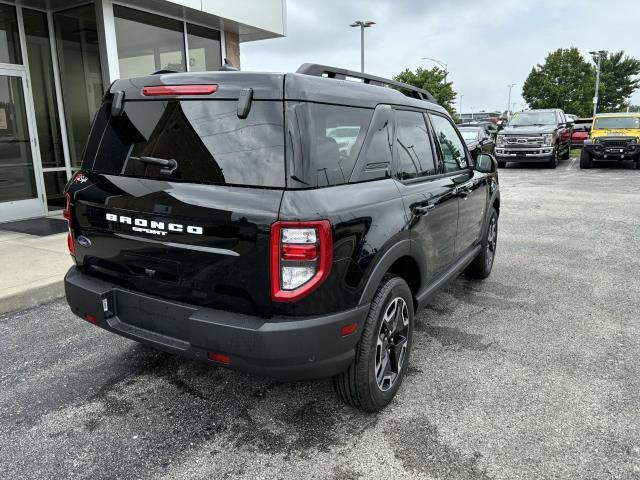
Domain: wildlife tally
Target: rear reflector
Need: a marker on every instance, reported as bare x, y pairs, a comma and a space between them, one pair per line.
166, 90
91, 319
299, 252
219, 358
348, 329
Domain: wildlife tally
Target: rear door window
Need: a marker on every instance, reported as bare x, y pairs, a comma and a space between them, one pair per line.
206, 138
413, 147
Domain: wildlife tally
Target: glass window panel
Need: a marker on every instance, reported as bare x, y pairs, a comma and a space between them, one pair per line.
54, 183
204, 48
451, 147
43, 88
415, 157
17, 180
80, 73
9, 38
330, 138
147, 42
207, 139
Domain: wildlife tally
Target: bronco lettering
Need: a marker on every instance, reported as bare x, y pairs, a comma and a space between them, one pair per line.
153, 227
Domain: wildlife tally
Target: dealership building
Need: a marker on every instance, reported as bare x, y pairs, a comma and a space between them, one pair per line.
57, 57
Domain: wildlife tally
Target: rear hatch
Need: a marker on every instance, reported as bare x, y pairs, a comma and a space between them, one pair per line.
179, 191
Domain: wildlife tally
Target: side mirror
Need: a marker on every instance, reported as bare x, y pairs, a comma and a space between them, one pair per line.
486, 163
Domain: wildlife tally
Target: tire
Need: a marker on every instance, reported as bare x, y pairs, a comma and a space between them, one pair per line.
553, 162
481, 266
502, 164
585, 159
637, 164
358, 385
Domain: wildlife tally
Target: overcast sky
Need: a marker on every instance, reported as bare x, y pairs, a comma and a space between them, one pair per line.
486, 45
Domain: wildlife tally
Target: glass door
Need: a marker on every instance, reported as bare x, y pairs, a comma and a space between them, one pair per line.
20, 190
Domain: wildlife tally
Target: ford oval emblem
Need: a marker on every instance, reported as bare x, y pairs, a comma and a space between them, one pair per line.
84, 241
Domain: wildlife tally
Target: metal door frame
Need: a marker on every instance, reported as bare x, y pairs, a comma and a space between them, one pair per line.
33, 207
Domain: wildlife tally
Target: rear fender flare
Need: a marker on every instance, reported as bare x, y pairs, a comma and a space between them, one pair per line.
397, 251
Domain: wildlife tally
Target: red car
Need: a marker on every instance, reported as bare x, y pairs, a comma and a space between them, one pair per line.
581, 130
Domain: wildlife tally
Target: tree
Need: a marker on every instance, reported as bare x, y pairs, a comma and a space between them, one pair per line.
616, 81
565, 80
433, 81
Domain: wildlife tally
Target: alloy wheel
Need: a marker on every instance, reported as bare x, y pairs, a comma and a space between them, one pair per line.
391, 348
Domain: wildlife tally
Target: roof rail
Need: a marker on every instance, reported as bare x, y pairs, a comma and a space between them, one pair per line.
317, 70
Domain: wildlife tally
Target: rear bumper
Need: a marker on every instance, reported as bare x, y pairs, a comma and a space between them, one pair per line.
286, 348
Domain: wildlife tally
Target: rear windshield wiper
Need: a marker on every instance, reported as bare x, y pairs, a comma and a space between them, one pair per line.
168, 166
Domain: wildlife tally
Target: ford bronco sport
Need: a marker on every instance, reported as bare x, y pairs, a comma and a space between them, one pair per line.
614, 136
286, 225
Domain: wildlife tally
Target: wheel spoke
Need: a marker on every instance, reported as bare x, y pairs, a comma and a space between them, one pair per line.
397, 354
382, 369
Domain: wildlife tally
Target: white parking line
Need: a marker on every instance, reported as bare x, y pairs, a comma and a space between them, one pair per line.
573, 161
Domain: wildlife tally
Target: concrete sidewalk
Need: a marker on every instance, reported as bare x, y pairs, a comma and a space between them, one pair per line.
31, 269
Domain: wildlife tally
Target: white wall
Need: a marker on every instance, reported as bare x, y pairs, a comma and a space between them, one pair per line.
267, 15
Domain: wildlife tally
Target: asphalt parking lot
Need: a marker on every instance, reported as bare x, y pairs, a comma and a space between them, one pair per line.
533, 373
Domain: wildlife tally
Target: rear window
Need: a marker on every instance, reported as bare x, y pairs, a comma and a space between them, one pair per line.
206, 138
324, 142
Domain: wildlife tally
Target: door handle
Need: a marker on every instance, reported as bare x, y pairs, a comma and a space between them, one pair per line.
463, 191
422, 210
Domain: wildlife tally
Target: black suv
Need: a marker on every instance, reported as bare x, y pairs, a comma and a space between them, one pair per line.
541, 136
286, 225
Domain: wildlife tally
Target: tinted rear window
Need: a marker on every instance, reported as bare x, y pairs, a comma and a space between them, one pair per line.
324, 142
206, 138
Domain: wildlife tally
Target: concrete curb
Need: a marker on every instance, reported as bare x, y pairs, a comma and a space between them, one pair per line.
36, 293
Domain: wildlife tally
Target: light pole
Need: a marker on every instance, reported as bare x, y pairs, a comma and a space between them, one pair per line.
362, 24
599, 53
510, 86
441, 63
461, 95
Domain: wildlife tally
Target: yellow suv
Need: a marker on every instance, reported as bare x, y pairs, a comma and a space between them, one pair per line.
614, 136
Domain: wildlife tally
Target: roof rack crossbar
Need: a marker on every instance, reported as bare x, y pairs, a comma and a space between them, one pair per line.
317, 70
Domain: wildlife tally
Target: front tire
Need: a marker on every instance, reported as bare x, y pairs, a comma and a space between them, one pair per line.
553, 163
586, 160
481, 266
382, 355
502, 164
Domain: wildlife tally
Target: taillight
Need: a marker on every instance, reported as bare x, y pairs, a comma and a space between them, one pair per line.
66, 213
301, 256
169, 90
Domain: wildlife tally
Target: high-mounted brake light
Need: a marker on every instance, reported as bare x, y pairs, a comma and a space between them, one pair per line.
169, 90
301, 256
